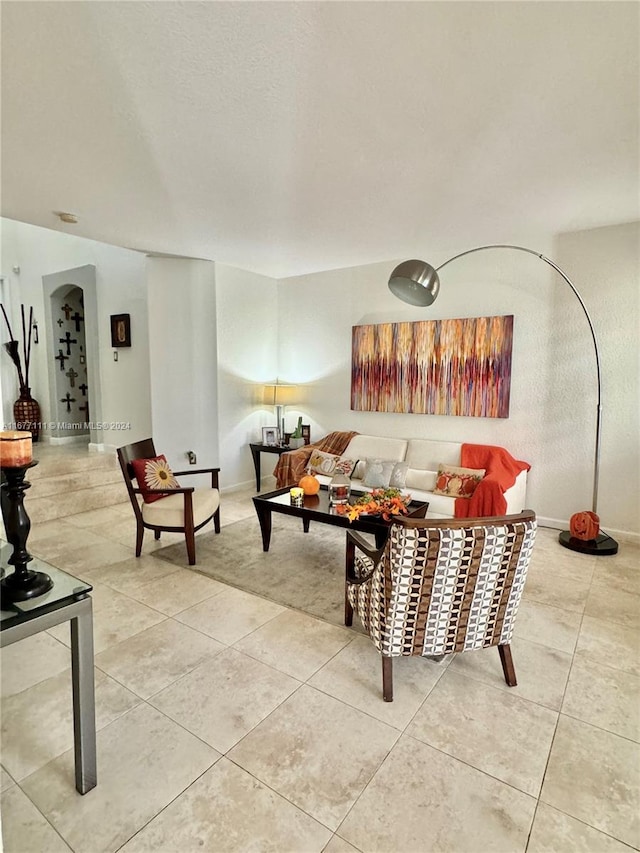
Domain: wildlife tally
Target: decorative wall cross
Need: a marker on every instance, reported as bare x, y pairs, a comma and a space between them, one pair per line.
85, 408
60, 322
72, 376
61, 358
83, 388
77, 319
68, 340
67, 310
68, 400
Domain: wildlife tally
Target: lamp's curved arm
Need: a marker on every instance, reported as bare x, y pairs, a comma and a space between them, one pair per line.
596, 472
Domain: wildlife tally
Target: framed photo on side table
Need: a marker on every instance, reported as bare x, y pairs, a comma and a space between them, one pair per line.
271, 436
306, 433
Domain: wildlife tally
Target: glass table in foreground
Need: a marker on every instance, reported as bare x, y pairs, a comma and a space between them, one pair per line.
67, 600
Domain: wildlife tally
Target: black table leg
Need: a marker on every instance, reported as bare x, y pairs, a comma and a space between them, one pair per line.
305, 524
264, 517
256, 464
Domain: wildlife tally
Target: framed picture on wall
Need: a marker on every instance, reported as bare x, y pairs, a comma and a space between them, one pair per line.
271, 436
120, 330
306, 433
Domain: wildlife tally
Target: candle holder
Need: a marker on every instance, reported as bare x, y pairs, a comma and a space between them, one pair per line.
23, 583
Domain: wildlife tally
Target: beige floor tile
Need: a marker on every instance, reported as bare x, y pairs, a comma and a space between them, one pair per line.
57, 531
424, 800
613, 605
568, 590
116, 617
541, 672
618, 576
227, 810
316, 752
609, 644
37, 724
224, 698
231, 615
128, 576
99, 518
549, 626
151, 660
144, 762
24, 829
355, 676
32, 660
178, 591
5, 780
594, 776
604, 697
83, 558
295, 643
339, 845
493, 731
553, 831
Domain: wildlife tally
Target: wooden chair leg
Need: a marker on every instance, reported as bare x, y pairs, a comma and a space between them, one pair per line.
156, 534
387, 678
139, 538
216, 520
507, 665
190, 538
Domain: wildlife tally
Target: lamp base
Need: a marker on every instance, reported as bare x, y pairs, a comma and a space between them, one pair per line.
26, 585
602, 546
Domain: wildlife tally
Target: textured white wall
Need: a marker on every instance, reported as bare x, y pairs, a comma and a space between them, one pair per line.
549, 427
182, 350
120, 282
247, 356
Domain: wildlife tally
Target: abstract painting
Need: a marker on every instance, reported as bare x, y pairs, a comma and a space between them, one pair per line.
434, 367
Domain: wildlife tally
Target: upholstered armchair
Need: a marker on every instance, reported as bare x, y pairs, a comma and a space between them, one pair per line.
180, 509
440, 586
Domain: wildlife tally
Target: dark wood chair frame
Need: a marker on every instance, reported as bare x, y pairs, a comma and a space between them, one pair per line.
357, 541
145, 450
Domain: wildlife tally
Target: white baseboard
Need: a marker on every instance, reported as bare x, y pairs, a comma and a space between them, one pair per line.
68, 439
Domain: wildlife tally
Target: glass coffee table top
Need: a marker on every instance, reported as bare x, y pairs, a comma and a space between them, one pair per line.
65, 588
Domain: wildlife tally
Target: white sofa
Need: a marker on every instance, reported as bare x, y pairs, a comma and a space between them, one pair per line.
424, 456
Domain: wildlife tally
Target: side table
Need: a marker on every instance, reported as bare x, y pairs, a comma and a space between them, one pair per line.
258, 448
68, 600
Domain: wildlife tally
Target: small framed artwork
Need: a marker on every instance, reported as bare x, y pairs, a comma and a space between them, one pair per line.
306, 433
120, 330
271, 436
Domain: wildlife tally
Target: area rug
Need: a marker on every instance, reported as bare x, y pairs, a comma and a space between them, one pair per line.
301, 570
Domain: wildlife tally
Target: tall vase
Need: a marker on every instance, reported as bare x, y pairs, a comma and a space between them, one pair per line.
26, 413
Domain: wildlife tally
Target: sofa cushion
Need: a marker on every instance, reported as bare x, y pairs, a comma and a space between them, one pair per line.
377, 473
376, 447
427, 455
398, 478
419, 479
329, 463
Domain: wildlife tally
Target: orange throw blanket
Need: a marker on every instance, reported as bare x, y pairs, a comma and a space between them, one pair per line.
502, 470
292, 465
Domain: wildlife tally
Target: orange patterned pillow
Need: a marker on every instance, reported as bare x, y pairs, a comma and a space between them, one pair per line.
457, 482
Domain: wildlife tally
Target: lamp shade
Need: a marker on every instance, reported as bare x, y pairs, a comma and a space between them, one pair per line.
278, 394
415, 282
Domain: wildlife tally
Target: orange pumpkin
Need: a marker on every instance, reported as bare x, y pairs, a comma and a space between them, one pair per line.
309, 484
584, 525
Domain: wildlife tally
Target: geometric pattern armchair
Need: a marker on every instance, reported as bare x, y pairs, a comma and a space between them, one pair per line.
184, 510
440, 586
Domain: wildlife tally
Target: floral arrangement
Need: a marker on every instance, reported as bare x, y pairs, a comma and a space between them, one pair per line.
384, 502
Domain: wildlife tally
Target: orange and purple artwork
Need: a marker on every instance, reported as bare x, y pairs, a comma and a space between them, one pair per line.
434, 367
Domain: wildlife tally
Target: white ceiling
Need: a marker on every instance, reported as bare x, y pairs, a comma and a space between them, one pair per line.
290, 137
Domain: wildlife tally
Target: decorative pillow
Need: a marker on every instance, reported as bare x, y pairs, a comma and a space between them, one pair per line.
345, 466
153, 474
377, 473
398, 477
457, 482
322, 463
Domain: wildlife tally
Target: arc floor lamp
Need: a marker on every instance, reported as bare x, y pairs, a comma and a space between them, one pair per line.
418, 283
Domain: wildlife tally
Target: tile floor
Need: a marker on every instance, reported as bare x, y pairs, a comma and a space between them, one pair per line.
229, 723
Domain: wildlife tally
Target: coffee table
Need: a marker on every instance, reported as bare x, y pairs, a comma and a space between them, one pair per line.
316, 508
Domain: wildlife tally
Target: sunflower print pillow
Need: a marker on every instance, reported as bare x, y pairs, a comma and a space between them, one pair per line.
153, 474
